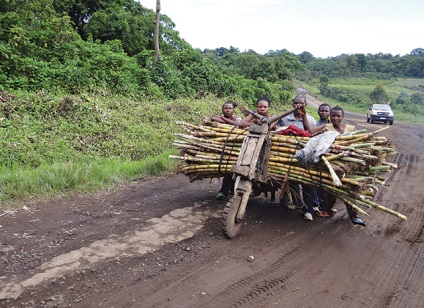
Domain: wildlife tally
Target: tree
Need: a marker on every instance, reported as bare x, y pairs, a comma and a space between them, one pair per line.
323, 80
379, 95
403, 98
286, 65
414, 66
306, 57
80, 11
361, 60
417, 99
156, 33
417, 52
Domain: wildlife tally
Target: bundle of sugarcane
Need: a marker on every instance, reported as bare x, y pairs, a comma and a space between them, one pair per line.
351, 169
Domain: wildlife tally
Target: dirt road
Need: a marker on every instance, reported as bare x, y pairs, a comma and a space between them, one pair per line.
158, 243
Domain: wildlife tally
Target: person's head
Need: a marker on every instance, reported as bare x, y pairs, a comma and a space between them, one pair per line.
336, 115
228, 109
262, 106
324, 111
299, 100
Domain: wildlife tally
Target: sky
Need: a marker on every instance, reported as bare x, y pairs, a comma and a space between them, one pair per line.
325, 28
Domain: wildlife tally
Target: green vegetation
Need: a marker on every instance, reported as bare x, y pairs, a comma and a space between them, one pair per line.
86, 176
84, 106
353, 94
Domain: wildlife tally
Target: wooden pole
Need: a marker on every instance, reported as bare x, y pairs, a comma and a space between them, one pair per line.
156, 32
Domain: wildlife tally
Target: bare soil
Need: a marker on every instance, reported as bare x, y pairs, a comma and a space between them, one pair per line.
159, 243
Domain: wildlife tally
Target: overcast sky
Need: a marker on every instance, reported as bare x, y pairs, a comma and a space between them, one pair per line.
325, 28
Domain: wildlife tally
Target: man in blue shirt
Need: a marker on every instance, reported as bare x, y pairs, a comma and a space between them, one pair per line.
324, 114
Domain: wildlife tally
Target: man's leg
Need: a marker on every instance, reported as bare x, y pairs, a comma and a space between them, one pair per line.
227, 182
354, 215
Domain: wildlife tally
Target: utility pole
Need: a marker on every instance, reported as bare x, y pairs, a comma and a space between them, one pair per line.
156, 33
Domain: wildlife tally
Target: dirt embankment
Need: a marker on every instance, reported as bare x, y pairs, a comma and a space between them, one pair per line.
158, 243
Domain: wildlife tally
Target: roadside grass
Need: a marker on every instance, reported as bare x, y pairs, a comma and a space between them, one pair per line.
18, 184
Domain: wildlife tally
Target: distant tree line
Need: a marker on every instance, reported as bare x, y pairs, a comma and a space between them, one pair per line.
75, 46
359, 65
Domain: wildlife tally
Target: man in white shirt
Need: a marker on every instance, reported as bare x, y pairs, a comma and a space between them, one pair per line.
302, 120
298, 118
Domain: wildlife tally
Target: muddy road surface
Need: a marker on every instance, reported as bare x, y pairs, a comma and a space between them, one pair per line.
159, 243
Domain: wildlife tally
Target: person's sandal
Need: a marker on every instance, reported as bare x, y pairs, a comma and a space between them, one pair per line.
291, 206
324, 214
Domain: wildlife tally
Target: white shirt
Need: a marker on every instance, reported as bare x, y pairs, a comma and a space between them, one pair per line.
291, 120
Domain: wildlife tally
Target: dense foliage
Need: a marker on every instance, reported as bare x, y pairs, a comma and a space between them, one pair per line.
381, 66
107, 47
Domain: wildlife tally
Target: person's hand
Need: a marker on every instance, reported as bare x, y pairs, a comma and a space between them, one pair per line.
281, 128
301, 108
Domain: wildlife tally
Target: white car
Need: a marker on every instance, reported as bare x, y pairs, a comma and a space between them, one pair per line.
380, 113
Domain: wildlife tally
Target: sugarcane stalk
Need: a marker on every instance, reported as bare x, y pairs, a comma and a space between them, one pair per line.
391, 165
280, 154
362, 145
337, 156
353, 160
381, 149
218, 157
379, 168
349, 201
359, 131
333, 174
283, 149
380, 130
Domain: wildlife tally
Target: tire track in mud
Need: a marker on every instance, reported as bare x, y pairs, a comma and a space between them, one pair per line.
178, 225
407, 292
408, 194
409, 201
411, 163
257, 291
405, 195
322, 283
253, 290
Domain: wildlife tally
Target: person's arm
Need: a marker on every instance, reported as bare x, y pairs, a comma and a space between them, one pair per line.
217, 118
274, 125
318, 128
306, 125
229, 121
305, 121
310, 125
247, 121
